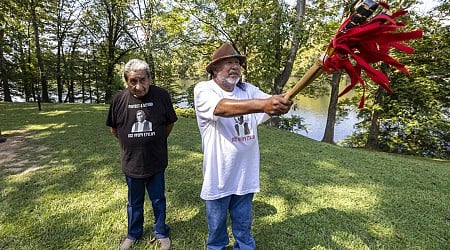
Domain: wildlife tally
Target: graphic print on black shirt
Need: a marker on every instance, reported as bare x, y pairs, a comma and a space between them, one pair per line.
142, 127
141, 124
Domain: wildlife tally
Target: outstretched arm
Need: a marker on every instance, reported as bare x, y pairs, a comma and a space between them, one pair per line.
274, 105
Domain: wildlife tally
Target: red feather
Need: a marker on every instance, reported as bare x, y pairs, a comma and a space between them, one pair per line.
367, 44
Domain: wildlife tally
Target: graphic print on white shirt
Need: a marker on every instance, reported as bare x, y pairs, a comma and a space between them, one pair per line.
241, 125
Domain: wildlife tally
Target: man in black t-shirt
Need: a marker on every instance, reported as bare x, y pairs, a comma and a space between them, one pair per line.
143, 150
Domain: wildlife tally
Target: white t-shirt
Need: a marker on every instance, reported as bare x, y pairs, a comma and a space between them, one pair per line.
230, 144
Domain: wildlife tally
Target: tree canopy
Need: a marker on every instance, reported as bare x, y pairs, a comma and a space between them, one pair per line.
74, 51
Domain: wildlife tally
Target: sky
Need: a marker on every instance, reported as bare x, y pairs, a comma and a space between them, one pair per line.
425, 6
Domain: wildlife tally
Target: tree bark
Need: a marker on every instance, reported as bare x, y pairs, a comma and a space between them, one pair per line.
328, 135
374, 130
43, 75
281, 80
4, 72
332, 107
114, 32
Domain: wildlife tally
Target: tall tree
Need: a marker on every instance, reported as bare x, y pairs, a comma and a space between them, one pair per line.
3, 70
374, 128
328, 135
281, 80
262, 30
36, 24
4, 19
153, 35
115, 18
65, 18
17, 48
107, 26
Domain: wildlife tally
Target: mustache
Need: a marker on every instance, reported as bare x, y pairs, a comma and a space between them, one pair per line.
135, 93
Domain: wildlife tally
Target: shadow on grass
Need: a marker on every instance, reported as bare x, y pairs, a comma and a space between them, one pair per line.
75, 197
341, 198
57, 205
313, 230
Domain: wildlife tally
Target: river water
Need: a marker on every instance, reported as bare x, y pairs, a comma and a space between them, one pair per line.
314, 114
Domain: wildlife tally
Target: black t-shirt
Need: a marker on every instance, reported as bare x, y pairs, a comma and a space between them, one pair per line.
142, 130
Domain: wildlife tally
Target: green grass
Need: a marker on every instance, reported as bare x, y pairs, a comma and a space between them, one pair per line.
64, 189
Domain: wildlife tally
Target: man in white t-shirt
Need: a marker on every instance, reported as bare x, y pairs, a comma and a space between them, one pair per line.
228, 114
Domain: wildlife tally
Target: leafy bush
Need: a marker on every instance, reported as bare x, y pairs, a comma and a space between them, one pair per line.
185, 112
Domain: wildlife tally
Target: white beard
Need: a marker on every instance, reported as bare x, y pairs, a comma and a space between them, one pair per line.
228, 82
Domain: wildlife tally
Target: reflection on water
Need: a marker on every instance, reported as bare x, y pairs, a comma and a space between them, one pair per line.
314, 112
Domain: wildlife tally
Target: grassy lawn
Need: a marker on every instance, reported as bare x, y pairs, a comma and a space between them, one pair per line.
61, 187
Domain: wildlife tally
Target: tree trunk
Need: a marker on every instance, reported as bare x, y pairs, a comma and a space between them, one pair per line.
43, 75
374, 130
372, 139
328, 135
24, 67
59, 83
4, 72
151, 64
281, 80
109, 81
30, 80
71, 91
5, 82
111, 36
60, 51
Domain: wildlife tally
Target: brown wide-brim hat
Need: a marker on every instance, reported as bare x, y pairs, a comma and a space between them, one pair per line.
225, 51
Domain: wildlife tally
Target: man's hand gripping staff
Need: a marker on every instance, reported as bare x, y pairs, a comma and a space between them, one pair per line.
364, 41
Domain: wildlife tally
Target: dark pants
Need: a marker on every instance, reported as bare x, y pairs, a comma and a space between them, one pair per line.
155, 186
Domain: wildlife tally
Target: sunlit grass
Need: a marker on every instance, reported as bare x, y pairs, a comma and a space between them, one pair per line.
64, 189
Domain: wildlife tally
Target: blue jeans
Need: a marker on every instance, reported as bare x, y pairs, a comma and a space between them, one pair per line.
240, 208
155, 186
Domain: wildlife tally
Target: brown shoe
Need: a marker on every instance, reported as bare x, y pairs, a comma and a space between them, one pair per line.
127, 244
165, 243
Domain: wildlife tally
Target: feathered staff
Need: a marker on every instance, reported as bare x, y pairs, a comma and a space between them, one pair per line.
360, 42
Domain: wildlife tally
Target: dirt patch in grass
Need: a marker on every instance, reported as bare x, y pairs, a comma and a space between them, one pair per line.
14, 153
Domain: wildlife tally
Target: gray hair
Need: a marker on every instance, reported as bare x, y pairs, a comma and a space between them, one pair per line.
140, 111
135, 65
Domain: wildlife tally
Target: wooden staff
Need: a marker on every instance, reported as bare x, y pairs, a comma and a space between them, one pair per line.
315, 71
